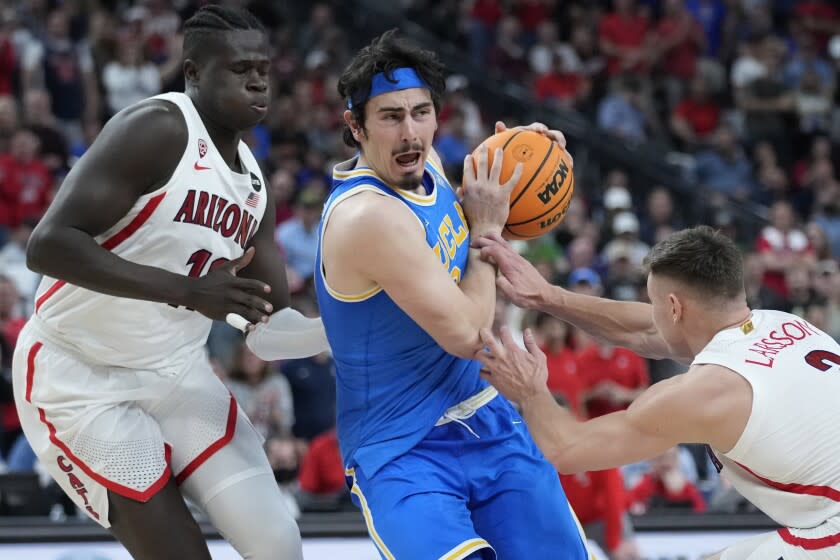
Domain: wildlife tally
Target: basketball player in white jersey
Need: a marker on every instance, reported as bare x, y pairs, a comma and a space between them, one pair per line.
761, 390
165, 224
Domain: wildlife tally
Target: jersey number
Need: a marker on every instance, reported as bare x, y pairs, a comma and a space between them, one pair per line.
822, 359
197, 262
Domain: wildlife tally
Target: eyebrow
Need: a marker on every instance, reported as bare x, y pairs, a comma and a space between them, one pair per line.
423, 105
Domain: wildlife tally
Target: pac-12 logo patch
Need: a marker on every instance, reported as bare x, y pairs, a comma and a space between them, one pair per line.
202, 148
256, 184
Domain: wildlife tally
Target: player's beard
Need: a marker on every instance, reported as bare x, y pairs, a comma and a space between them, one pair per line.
411, 182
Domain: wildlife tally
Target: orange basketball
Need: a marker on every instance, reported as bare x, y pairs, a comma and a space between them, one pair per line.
540, 199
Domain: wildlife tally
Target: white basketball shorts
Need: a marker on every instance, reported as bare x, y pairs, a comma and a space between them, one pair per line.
99, 428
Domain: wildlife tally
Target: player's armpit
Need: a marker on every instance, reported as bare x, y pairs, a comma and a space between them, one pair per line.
377, 238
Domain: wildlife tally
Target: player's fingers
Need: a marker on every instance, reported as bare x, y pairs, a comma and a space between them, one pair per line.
493, 348
500, 127
254, 302
503, 284
481, 161
239, 263
571, 160
558, 137
239, 322
253, 316
537, 127
459, 193
530, 343
469, 171
251, 285
507, 337
496, 168
514, 179
495, 236
485, 374
489, 253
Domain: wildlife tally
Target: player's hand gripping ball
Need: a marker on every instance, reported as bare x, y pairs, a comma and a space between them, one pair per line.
540, 199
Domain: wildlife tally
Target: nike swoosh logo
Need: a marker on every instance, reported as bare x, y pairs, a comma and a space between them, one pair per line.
198, 167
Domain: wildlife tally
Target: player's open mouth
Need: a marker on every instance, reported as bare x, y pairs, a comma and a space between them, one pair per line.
408, 161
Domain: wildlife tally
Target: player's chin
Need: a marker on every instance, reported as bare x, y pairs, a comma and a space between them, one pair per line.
410, 180
249, 117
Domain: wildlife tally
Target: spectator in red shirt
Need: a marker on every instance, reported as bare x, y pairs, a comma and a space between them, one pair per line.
562, 86
25, 181
598, 499
624, 39
783, 246
481, 25
321, 482
680, 40
665, 486
613, 378
563, 374
696, 118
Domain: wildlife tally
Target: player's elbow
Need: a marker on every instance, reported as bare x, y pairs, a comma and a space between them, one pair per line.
37, 249
462, 348
464, 342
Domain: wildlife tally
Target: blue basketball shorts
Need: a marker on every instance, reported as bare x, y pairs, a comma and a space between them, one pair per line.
475, 488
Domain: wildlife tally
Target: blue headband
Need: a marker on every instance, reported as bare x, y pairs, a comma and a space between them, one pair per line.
396, 80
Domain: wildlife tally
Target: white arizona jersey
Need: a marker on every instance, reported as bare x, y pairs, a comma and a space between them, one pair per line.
202, 217
787, 461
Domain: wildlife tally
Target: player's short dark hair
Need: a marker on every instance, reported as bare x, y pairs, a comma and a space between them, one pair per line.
212, 19
701, 258
384, 54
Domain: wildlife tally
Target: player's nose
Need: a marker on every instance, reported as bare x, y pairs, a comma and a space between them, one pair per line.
409, 130
257, 84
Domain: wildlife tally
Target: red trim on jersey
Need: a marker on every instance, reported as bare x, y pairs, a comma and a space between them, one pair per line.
30, 368
48, 294
215, 446
809, 489
809, 544
110, 243
115, 487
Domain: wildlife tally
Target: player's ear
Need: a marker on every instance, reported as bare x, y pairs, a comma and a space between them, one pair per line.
355, 128
191, 71
676, 307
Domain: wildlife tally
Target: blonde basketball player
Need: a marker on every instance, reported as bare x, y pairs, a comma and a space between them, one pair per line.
761, 390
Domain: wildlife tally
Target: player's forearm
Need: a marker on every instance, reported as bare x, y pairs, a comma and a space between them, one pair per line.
479, 285
288, 335
620, 323
74, 256
550, 425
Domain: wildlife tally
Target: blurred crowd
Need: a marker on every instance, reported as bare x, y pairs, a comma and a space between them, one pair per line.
743, 91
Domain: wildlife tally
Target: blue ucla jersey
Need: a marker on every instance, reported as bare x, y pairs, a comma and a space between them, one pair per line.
393, 380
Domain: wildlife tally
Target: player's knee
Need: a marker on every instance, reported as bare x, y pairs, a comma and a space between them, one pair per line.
278, 540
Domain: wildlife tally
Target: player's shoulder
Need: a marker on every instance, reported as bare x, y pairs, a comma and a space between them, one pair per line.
151, 119
143, 142
371, 215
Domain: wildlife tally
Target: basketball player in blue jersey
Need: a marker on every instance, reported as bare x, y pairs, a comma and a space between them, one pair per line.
441, 466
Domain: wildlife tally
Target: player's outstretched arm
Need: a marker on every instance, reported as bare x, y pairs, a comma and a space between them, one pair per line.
620, 323
136, 153
287, 334
709, 404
